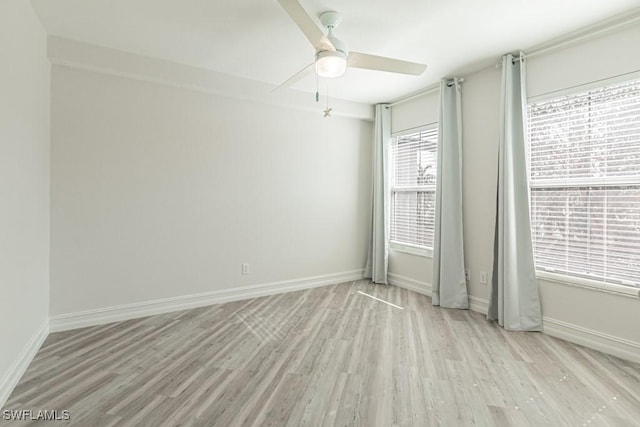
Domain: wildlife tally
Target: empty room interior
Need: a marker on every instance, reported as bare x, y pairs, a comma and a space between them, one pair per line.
315, 212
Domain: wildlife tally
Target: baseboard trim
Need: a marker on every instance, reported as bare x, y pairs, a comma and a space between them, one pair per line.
609, 344
405, 282
595, 340
480, 305
11, 378
590, 338
68, 321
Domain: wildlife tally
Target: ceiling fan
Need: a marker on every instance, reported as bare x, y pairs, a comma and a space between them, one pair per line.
332, 57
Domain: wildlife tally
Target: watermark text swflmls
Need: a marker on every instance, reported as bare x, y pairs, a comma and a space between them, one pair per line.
31, 415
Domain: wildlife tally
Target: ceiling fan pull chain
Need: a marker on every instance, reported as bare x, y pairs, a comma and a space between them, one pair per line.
327, 110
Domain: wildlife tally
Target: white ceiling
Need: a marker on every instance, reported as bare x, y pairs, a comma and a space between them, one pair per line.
256, 39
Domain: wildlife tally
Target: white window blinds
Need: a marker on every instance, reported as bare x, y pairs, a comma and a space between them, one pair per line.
584, 154
413, 188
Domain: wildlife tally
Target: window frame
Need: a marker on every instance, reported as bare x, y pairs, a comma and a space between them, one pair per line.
404, 247
560, 277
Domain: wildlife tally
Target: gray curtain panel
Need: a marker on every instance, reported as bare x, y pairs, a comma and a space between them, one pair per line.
515, 301
449, 288
378, 259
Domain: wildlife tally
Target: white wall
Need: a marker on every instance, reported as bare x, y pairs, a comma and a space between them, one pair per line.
160, 191
606, 321
480, 120
24, 189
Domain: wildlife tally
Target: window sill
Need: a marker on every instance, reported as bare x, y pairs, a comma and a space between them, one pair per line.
411, 249
594, 285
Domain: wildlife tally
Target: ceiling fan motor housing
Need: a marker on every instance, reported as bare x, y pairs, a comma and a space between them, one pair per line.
338, 44
332, 54
331, 63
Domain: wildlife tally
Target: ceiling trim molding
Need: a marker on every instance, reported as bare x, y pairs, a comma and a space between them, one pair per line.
82, 56
602, 28
598, 29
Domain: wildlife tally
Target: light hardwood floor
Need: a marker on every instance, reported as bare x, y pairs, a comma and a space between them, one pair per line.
325, 356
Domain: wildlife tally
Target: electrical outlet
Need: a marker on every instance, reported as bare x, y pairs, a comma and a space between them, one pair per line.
483, 277
245, 268
467, 274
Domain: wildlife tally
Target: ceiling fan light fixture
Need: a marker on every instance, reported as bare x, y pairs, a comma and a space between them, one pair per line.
331, 63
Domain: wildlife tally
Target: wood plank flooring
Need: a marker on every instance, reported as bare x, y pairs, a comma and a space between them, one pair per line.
324, 357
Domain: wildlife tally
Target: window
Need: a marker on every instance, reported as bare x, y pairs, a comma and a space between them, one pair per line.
413, 188
584, 161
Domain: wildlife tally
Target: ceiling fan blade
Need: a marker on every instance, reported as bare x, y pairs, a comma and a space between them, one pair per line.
296, 77
381, 63
315, 35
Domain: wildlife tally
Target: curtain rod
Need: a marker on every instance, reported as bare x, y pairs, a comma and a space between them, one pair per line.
571, 40
582, 37
424, 92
